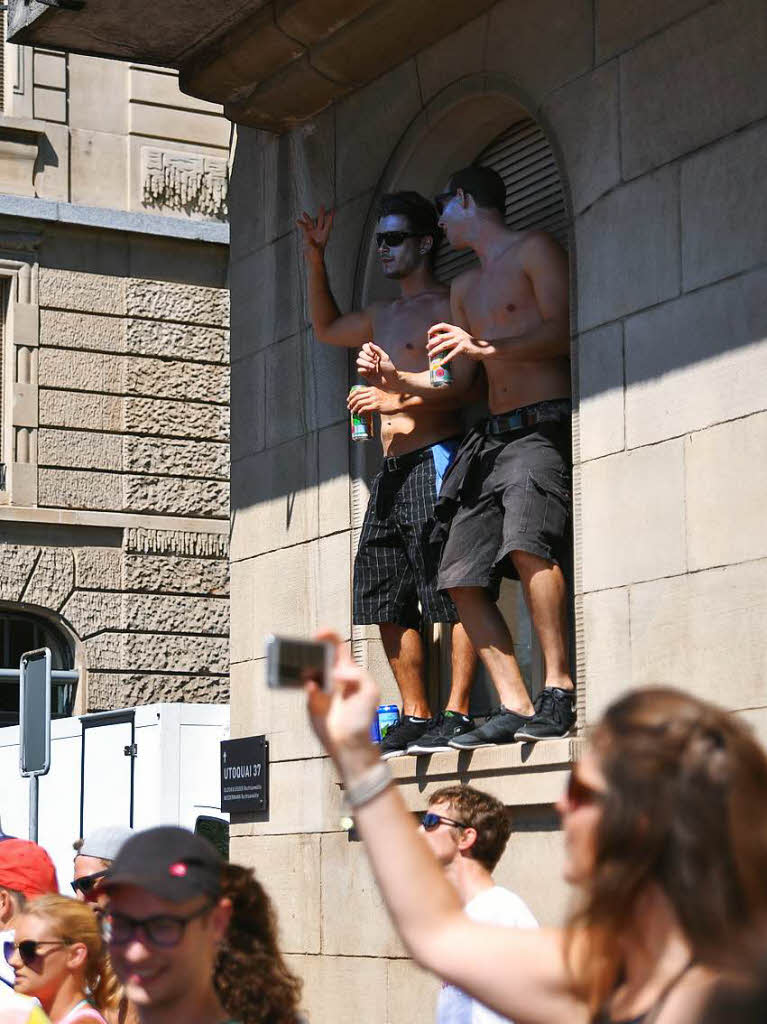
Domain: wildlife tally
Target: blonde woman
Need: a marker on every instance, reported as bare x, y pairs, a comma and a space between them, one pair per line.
59, 958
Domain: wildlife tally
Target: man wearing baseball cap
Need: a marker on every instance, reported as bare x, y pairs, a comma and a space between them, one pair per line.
172, 903
26, 871
93, 856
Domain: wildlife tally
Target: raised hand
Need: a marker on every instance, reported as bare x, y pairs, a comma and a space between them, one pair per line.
376, 367
316, 230
448, 341
341, 716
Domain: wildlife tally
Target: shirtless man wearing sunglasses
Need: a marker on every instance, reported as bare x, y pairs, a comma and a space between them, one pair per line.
395, 568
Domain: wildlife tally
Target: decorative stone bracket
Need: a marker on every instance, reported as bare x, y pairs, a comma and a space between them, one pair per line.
184, 181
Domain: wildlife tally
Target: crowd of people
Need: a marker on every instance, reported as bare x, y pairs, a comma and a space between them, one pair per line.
665, 840
161, 929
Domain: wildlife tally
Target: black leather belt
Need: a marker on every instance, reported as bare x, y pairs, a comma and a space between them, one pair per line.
394, 462
391, 463
529, 415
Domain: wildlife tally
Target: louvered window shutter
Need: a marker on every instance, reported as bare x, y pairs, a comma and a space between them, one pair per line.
534, 197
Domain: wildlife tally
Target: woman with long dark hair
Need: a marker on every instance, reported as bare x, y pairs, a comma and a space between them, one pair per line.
665, 829
251, 976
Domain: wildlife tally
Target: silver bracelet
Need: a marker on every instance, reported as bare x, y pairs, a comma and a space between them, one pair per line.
374, 781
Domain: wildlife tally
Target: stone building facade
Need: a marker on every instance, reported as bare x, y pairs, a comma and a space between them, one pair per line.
657, 115
115, 381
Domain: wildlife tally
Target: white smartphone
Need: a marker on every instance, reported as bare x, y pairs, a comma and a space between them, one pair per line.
293, 662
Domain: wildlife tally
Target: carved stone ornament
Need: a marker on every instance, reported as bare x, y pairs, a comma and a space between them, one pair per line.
189, 182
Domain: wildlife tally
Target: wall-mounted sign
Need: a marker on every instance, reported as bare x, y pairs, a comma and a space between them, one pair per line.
245, 775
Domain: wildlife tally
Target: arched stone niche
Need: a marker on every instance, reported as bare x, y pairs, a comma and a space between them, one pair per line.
448, 133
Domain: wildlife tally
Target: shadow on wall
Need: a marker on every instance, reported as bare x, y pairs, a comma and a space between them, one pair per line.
290, 431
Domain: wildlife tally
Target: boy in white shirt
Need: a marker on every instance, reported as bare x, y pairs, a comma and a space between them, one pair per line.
467, 831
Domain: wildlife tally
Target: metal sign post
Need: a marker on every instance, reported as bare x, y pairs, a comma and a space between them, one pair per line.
34, 725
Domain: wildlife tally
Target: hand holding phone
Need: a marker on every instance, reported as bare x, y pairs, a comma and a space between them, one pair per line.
291, 662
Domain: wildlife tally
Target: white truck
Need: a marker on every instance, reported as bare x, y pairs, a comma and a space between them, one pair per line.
156, 764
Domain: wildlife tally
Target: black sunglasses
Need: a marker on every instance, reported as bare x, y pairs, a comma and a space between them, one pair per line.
391, 239
443, 199
87, 882
164, 930
28, 948
430, 821
580, 794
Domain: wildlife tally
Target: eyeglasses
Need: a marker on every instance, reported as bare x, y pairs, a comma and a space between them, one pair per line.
28, 948
391, 239
580, 794
164, 930
430, 821
87, 882
443, 199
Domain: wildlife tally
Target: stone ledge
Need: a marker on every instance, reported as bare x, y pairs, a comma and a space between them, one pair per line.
520, 775
113, 220
119, 520
513, 757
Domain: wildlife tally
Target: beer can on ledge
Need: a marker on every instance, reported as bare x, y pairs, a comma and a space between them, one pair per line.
361, 423
388, 715
439, 374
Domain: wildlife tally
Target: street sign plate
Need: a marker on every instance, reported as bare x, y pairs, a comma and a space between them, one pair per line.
35, 712
245, 775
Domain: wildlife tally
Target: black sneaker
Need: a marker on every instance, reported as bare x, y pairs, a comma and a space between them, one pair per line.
407, 730
447, 725
554, 715
500, 727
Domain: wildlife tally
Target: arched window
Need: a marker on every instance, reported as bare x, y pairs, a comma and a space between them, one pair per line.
524, 159
20, 632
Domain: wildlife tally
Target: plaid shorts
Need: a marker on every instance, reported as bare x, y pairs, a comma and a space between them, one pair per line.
396, 568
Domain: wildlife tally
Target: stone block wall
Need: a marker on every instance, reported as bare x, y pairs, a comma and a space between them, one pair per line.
126, 545
668, 284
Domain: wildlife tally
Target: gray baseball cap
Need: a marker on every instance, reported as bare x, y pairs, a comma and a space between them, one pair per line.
106, 842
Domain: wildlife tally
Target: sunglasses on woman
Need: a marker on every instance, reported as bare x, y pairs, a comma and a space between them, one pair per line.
164, 931
29, 948
86, 884
431, 821
580, 794
391, 239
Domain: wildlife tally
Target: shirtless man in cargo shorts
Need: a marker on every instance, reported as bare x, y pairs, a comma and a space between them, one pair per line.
506, 498
395, 569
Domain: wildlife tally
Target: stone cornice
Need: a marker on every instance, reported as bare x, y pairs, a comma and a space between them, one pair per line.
273, 64
110, 520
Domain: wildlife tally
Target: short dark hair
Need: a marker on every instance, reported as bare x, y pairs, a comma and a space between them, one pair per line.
421, 213
486, 187
482, 812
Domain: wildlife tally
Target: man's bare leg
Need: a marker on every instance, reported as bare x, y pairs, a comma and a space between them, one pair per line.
404, 649
545, 592
463, 666
491, 638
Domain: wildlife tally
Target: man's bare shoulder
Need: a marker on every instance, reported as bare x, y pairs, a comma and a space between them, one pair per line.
465, 281
539, 245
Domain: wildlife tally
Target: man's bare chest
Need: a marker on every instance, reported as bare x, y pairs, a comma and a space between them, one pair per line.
403, 332
500, 298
